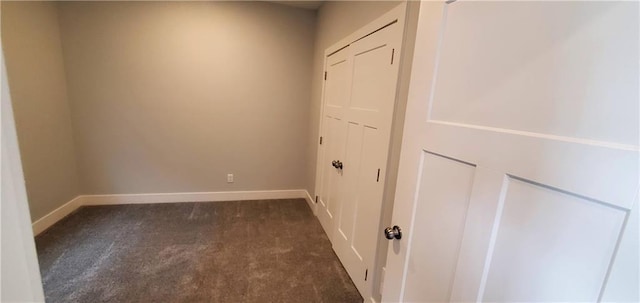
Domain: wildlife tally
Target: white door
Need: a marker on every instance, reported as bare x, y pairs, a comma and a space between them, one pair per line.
368, 114
20, 279
518, 177
336, 97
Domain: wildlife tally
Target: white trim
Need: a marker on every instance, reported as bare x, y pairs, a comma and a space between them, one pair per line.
56, 215
192, 197
605, 144
397, 13
310, 201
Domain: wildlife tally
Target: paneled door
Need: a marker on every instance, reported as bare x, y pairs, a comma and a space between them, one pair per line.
359, 99
336, 98
518, 177
368, 115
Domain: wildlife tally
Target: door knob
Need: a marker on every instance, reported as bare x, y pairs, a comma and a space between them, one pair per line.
393, 232
337, 164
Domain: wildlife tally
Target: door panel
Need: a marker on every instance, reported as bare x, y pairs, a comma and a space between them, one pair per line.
541, 228
519, 91
344, 235
336, 96
332, 184
369, 190
337, 87
368, 115
335, 196
443, 195
534, 58
356, 238
369, 79
374, 79
353, 156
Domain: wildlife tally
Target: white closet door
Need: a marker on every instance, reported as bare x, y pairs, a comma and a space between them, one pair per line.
368, 116
359, 99
518, 178
336, 98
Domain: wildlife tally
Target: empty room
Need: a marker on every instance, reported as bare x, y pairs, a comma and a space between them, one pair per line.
320, 151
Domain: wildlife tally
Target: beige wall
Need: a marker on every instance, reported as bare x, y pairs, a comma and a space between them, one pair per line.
171, 96
31, 45
336, 20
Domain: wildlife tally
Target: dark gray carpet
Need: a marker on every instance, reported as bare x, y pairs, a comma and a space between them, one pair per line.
244, 251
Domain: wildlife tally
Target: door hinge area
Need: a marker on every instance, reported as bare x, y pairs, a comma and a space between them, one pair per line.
378, 177
366, 274
320, 140
393, 51
325, 76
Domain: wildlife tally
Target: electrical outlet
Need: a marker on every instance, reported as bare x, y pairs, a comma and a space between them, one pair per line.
229, 178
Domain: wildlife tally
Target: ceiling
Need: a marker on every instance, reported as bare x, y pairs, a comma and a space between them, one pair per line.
302, 4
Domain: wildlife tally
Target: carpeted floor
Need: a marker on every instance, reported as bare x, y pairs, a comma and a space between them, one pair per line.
245, 251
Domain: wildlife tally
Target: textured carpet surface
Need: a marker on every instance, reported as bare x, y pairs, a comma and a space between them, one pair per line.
244, 251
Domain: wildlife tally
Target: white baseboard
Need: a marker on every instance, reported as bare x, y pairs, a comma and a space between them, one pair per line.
193, 197
58, 214
310, 201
